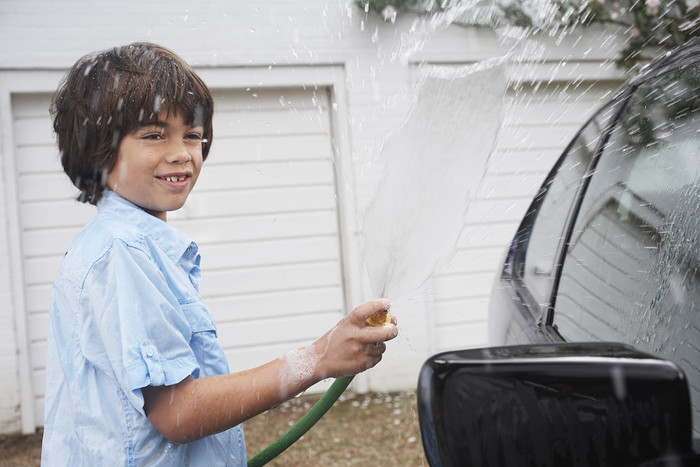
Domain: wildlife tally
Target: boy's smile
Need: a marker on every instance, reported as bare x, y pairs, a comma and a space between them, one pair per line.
158, 164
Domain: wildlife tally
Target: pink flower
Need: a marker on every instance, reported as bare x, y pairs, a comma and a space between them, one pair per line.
389, 13
634, 32
652, 6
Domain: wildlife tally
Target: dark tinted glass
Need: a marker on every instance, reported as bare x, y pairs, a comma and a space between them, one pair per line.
632, 270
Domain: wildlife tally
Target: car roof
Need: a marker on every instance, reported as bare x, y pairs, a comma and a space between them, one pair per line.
679, 57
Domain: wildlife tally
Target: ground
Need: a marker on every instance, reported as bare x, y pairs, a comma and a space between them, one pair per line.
369, 429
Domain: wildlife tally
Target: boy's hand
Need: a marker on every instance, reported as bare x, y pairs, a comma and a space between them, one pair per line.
353, 346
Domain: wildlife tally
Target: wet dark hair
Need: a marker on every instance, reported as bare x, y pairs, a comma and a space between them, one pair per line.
111, 93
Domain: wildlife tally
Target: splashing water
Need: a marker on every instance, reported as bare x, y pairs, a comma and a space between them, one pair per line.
435, 162
434, 165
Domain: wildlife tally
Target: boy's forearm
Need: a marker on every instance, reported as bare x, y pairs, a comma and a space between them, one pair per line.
195, 408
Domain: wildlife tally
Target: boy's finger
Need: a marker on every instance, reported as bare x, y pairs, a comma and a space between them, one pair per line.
379, 333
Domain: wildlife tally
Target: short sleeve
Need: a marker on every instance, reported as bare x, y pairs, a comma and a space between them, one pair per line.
133, 324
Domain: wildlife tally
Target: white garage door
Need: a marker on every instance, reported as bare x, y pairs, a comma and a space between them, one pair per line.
264, 214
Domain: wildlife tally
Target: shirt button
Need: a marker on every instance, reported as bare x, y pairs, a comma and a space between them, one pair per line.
149, 351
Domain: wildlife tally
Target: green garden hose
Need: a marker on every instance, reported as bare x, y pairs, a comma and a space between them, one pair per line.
303, 425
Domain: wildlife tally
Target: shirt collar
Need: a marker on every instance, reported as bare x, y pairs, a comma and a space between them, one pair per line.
172, 241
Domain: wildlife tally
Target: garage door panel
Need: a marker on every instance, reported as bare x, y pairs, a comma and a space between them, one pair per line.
31, 105
270, 332
521, 185
49, 187
269, 123
248, 357
499, 210
41, 270
252, 100
461, 310
270, 279
38, 159
38, 360
565, 108
265, 175
33, 131
463, 285
245, 358
484, 235
538, 160
286, 251
56, 214
471, 260
226, 150
233, 308
536, 136
260, 227
39, 324
454, 336
47, 241
249, 202
38, 378
38, 297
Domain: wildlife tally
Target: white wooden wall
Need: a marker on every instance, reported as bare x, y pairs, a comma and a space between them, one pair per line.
330, 50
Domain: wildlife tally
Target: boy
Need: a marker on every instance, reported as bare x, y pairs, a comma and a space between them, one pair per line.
135, 375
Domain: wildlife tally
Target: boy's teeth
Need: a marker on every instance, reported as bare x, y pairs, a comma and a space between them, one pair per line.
175, 179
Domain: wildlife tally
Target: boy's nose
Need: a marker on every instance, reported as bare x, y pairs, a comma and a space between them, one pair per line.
178, 153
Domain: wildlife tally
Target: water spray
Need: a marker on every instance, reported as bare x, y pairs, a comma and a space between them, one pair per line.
446, 166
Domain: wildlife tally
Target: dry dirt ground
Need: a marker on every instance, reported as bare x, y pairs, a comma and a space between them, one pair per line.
369, 429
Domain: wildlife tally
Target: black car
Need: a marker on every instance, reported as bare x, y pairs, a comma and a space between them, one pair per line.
597, 309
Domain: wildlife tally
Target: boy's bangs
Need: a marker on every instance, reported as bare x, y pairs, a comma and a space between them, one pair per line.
170, 89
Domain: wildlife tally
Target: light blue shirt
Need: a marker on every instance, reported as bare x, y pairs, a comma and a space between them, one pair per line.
126, 313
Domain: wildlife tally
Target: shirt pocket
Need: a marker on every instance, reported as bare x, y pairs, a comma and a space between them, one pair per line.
203, 340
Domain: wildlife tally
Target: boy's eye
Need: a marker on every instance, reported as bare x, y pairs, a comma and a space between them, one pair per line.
153, 136
196, 136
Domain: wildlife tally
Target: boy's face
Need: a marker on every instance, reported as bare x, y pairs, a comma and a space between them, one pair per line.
158, 164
